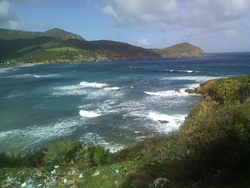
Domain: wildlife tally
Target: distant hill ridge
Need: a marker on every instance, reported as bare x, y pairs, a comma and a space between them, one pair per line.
56, 45
8, 34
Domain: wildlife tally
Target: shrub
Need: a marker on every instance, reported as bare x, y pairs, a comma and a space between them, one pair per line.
223, 90
29, 159
61, 152
98, 155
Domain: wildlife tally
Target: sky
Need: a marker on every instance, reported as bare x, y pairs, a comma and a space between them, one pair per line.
213, 25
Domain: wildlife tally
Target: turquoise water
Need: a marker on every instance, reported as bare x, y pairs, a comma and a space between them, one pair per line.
111, 103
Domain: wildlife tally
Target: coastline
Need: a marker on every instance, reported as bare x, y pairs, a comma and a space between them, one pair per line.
174, 153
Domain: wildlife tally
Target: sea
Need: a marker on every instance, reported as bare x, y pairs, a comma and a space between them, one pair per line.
109, 103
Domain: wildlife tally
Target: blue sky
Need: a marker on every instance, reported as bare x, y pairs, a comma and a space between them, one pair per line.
214, 25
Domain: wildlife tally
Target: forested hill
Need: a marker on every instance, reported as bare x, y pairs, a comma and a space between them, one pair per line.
56, 45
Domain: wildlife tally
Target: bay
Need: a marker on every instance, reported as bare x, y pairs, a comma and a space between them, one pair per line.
109, 103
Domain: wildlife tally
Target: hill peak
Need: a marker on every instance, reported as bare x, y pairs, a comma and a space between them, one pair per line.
181, 49
61, 34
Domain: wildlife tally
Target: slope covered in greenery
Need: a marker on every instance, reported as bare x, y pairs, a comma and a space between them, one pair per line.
56, 45
211, 149
57, 33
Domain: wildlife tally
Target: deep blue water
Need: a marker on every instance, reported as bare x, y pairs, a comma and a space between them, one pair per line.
112, 103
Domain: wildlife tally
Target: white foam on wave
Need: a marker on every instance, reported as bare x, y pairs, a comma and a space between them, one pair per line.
180, 71
91, 93
45, 76
20, 76
91, 139
169, 93
27, 65
89, 114
93, 84
69, 90
103, 93
28, 137
192, 78
112, 88
166, 122
7, 69
108, 106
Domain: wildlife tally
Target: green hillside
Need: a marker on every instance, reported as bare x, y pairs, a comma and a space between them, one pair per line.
17, 47
8, 34
56, 45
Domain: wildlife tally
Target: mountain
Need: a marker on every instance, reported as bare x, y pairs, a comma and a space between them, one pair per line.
56, 45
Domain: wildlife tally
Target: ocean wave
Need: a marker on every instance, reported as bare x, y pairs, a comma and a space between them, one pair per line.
103, 93
192, 78
89, 114
21, 139
7, 69
31, 75
180, 71
69, 90
166, 122
45, 76
170, 93
27, 65
117, 88
112, 88
93, 84
90, 93
91, 139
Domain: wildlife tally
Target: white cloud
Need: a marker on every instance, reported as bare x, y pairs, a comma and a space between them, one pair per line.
8, 19
191, 19
138, 12
143, 42
4, 8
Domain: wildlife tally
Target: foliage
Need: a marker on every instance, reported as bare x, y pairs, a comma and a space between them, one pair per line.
224, 90
171, 151
62, 152
220, 135
145, 148
29, 159
98, 155
229, 90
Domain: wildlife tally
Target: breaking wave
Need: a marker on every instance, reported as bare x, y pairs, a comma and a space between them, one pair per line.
89, 114
93, 84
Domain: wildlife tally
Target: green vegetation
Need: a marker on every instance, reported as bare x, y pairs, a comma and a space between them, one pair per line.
211, 149
56, 45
